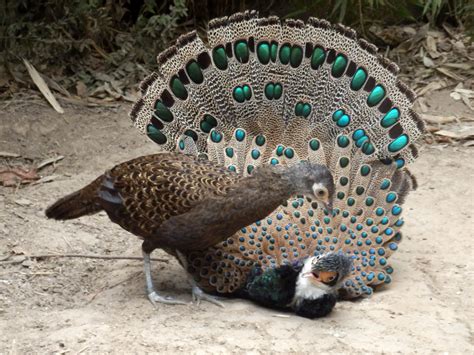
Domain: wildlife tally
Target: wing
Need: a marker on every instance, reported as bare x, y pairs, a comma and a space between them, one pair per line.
141, 194
219, 216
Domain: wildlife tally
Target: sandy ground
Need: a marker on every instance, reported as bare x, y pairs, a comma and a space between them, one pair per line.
67, 305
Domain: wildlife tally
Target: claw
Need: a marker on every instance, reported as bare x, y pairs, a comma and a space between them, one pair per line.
155, 297
199, 295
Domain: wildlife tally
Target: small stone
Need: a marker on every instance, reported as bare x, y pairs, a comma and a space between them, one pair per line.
23, 202
27, 263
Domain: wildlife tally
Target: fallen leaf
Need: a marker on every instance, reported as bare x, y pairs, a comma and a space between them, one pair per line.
450, 74
427, 62
433, 86
42, 86
438, 119
81, 89
469, 134
17, 176
465, 95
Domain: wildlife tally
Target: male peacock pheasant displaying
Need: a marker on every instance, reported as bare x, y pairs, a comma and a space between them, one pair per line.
263, 93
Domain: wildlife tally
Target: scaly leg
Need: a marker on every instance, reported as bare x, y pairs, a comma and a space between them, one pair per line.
153, 296
198, 294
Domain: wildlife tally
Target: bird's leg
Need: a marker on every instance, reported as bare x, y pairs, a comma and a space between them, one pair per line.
198, 294
153, 296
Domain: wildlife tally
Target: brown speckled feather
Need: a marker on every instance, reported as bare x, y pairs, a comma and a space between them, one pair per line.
176, 201
142, 194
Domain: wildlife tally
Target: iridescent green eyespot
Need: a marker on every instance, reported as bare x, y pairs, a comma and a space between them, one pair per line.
302, 109
339, 66
263, 52
194, 72
178, 89
163, 112
208, 123
220, 58
241, 50
358, 79
317, 58
285, 52
155, 134
376, 95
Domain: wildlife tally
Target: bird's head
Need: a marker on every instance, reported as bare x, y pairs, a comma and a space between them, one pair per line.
313, 180
318, 282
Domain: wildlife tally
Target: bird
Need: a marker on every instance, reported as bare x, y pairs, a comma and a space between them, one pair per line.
256, 91
181, 203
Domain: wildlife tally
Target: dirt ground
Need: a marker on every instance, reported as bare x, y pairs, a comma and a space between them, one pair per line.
79, 305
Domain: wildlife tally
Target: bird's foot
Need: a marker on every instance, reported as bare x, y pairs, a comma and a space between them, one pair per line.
155, 297
199, 295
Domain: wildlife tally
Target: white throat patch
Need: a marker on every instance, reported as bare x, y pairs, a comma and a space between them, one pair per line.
307, 287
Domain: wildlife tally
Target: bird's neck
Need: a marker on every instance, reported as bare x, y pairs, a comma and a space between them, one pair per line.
256, 197
276, 184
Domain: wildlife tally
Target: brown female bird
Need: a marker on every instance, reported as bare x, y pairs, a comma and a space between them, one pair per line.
182, 203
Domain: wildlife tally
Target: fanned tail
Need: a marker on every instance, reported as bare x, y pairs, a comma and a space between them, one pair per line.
266, 92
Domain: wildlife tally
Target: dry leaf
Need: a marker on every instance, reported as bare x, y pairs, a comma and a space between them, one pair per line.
438, 119
469, 134
427, 62
81, 89
465, 95
433, 86
462, 66
449, 73
17, 176
43, 88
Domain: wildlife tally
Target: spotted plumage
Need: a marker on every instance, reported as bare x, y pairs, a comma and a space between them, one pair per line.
182, 203
265, 91
262, 95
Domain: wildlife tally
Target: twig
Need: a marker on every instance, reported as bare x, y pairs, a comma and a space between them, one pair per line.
86, 256
107, 287
9, 155
49, 162
83, 349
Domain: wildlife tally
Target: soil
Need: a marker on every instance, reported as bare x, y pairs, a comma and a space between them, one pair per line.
74, 305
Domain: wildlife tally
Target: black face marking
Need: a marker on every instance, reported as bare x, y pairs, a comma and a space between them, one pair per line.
316, 308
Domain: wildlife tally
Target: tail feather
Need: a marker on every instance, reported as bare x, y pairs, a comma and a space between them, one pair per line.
80, 203
265, 91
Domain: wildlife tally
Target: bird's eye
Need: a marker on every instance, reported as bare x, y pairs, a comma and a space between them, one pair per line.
321, 193
329, 278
